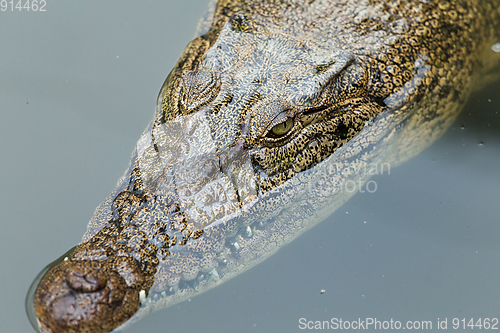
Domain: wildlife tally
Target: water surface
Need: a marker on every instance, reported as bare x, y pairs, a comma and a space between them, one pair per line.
78, 85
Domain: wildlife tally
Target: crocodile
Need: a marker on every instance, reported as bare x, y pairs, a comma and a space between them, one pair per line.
270, 111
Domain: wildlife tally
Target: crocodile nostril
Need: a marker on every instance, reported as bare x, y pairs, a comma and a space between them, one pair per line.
85, 281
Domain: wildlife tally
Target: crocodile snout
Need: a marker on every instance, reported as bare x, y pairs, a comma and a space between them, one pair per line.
84, 280
85, 296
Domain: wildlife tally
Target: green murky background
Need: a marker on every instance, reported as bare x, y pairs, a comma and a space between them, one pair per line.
78, 84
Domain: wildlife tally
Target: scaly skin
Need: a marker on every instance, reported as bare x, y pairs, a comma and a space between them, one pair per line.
264, 119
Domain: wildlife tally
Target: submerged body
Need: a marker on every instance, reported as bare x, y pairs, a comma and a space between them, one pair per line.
265, 117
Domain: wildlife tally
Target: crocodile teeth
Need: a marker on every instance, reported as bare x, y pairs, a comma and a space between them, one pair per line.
249, 231
142, 296
215, 274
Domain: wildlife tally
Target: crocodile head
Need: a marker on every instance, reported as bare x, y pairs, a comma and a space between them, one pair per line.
286, 103
241, 121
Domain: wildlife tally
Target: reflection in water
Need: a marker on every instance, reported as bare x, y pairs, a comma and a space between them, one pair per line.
192, 213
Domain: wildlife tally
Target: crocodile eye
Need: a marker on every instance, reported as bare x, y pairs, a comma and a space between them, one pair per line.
199, 88
282, 128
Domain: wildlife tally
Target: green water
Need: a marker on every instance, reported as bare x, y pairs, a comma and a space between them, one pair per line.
78, 85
